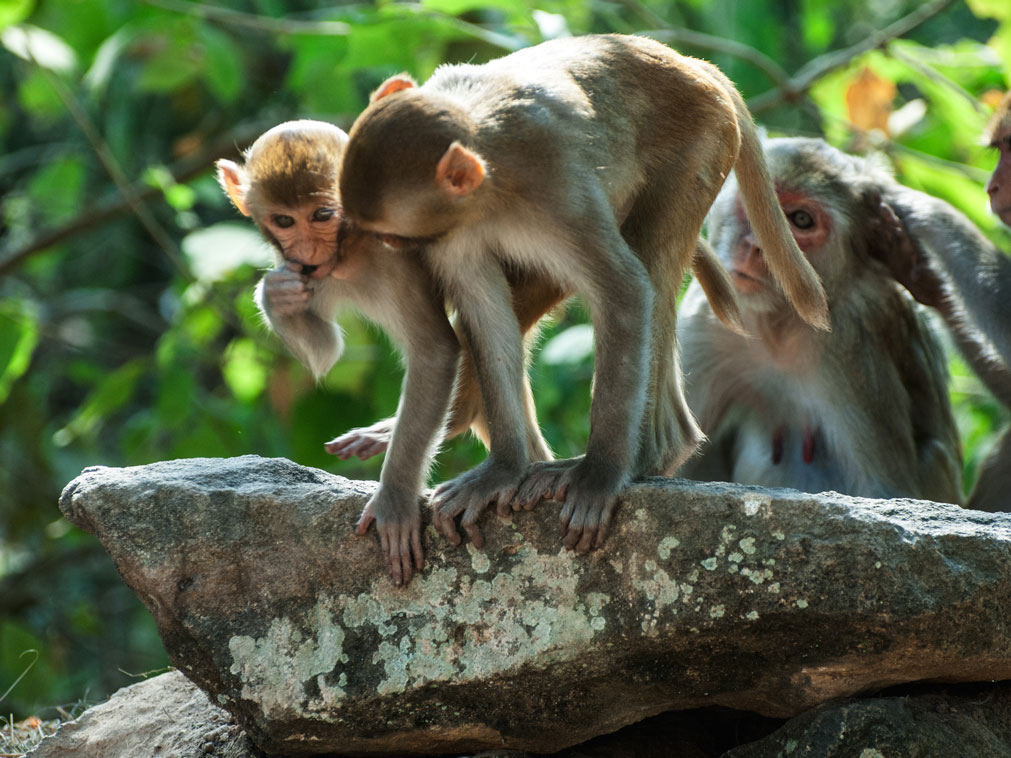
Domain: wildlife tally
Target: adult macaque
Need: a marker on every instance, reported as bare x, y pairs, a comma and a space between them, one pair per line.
591, 160
288, 186
862, 409
949, 265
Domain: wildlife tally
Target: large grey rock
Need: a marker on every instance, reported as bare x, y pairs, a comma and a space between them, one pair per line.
926, 726
163, 716
770, 601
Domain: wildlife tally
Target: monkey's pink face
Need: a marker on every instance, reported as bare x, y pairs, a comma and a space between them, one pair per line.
811, 227
999, 186
307, 236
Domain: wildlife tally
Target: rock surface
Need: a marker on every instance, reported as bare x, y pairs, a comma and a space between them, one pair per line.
771, 601
166, 715
976, 726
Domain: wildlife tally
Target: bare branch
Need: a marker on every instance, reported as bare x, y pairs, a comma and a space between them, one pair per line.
815, 69
181, 171
252, 21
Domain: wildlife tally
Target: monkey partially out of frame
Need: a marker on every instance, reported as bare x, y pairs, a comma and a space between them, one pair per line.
952, 267
591, 161
863, 409
288, 186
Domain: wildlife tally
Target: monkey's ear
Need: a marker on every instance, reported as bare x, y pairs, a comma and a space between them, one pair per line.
393, 84
460, 171
230, 176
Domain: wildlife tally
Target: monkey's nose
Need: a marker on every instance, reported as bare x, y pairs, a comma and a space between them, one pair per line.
308, 270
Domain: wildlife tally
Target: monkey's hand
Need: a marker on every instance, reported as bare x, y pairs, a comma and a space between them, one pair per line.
365, 442
906, 261
285, 293
469, 494
398, 521
589, 495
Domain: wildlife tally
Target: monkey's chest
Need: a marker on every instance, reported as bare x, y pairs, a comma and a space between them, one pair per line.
787, 455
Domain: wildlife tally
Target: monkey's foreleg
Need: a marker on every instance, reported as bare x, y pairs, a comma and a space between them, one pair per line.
492, 334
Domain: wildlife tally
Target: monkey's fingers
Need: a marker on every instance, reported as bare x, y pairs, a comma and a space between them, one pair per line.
446, 526
365, 520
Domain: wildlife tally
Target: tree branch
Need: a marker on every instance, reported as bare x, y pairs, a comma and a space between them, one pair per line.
252, 21
181, 171
815, 69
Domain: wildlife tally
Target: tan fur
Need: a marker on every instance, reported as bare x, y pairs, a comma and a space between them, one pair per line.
862, 409
530, 159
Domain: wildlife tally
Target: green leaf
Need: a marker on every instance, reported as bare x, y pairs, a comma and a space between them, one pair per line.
245, 370
216, 251
39, 46
574, 345
57, 188
14, 11
19, 336
222, 63
111, 394
990, 8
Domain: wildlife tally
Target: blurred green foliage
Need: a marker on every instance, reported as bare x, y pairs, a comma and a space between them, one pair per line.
127, 329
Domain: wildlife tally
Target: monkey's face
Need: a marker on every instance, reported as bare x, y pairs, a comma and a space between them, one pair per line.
738, 248
999, 186
305, 235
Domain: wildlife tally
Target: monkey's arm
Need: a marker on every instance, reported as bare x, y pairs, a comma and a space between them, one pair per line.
408, 308
302, 317
975, 279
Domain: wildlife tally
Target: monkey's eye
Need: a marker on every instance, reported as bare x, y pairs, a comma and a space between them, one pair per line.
284, 221
323, 214
801, 219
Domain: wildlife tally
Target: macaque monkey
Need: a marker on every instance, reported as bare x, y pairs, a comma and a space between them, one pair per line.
592, 161
951, 266
863, 409
288, 186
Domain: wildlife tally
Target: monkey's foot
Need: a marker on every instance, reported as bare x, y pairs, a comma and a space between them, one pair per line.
543, 482
399, 525
589, 494
365, 442
469, 494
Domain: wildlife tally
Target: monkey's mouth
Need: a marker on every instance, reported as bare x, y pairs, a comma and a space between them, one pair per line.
745, 282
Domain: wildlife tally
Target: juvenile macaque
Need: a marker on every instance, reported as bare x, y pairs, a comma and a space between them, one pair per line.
862, 409
288, 186
952, 267
592, 161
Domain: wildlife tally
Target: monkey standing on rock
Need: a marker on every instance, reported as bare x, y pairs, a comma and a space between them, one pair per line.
288, 186
863, 409
949, 265
591, 161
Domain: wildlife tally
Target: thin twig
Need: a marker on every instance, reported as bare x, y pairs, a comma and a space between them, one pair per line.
116, 173
252, 21
181, 171
671, 35
815, 69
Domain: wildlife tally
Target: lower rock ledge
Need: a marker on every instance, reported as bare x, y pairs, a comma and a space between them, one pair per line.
770, 601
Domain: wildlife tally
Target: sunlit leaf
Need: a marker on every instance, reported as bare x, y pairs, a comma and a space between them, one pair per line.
573, 345
245, 370
14, 11
869, 101
990, 8
216, 250
19, 335
39, 46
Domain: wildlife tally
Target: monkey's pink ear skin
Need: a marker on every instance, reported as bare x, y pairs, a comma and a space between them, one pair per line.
460, 171
230, 176
393, 84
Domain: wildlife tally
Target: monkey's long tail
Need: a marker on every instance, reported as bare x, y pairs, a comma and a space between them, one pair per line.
785, 260
715, 282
